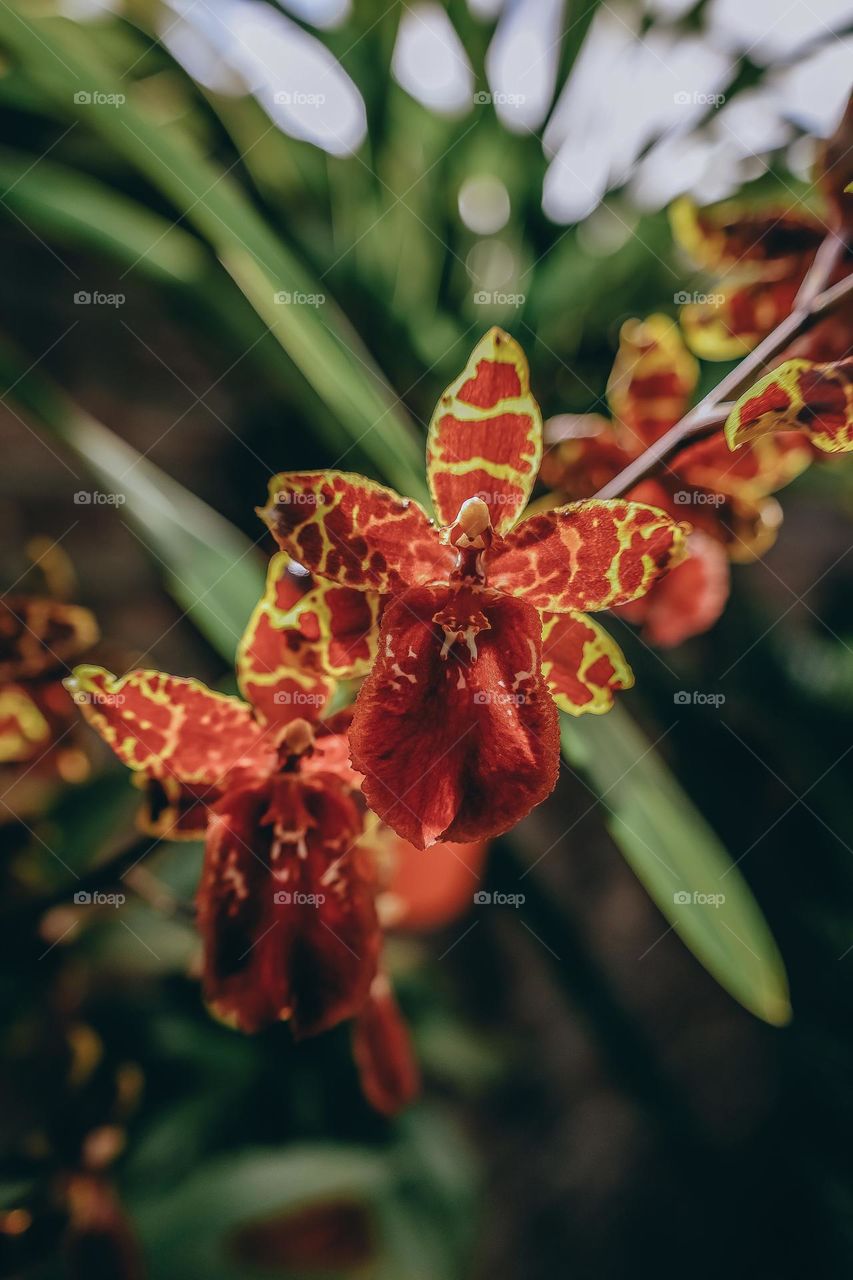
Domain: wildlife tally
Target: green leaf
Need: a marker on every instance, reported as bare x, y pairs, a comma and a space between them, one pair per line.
674, 852
186, 1231
318, 338
70, 207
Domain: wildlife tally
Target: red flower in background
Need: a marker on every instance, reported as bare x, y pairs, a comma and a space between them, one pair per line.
726, 499
816, 399
760, 257
38, 639
455, 728
286, 903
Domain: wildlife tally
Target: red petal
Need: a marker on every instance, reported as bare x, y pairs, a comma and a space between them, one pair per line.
653, 378
457, 741
581, 465
768, 464
383, 1052
724, 237
171, 810
583, 665
286, 906
588, 555
294, 649
24, 731
740, 316
355, 532
799, 395
430, 888
485, 437
37, 636
689, 600
166, 726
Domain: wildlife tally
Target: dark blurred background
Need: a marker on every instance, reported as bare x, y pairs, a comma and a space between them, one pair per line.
595, 1104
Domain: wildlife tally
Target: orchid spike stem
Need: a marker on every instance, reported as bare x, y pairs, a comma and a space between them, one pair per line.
813, 301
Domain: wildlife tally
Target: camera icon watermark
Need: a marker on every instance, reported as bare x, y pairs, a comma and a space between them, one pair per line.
696, 98
683, 298
698, 498
495, 298
498, 698
296, 698
86, 698
289, 298
94, 497
284, 898
95, 98
83, 898
684, 898
300, 498
83, 298
294, 98
483, 898
482, 98
697, 698
498, 498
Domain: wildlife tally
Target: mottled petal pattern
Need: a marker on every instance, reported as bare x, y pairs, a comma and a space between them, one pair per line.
728, 235
768, 464
485, 437
454, 729
740, 315
587, 555
653, 378
297, 645
171, 810
167, 726
582, 664
799, 395
689, 600
286, 907
354, 532
577, 466
23, 729
38, 636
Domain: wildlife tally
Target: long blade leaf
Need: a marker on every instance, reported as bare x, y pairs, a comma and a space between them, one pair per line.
680, 861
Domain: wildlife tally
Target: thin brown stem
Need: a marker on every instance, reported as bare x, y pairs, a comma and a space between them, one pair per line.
813, 300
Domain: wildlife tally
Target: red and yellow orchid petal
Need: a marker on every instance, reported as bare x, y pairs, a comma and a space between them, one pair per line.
653, 378
750, 527
802, 396
688, 601
768, 464
383, 1052
578, 466
286, 907
485, 437
587, 555
829, 340
740, 316
428, 889
582, 664
23, 729
728, 235
355, 532
171, 810
296, 647
168, 726
454, 729
38, 636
